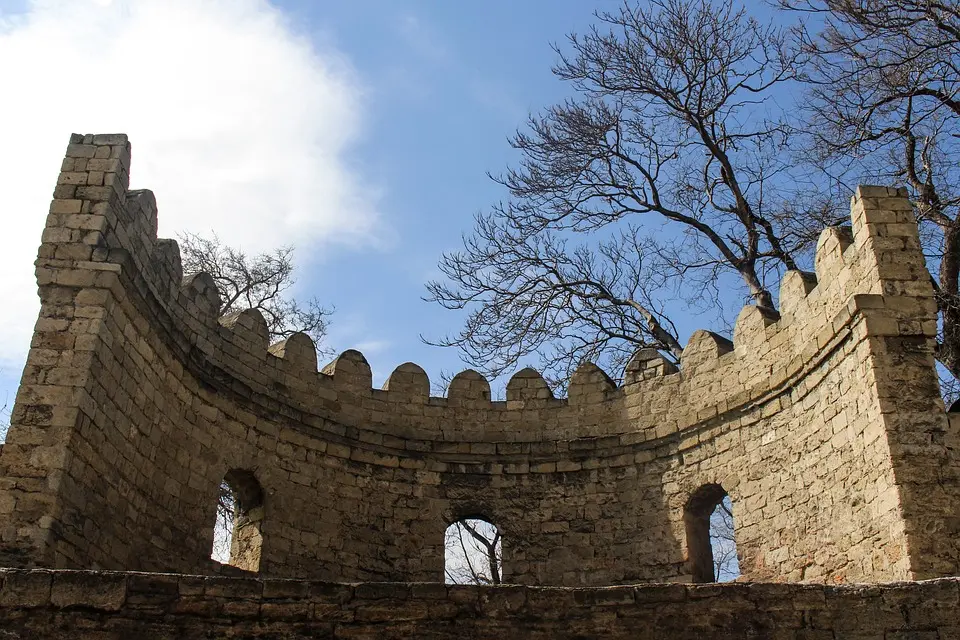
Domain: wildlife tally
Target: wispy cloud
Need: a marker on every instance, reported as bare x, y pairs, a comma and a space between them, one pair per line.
237, 123
423, 39
496, 97
353, 330
433, 52
371, 347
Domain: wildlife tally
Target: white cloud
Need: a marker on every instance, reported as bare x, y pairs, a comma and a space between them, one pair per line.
372, 346
238, 125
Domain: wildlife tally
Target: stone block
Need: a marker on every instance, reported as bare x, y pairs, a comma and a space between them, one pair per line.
25, 589
102, 591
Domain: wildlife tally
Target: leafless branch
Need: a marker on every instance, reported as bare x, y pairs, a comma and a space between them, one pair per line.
667, 172
473, 553
259, 282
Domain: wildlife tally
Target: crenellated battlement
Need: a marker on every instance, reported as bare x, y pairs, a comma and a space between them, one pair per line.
768, 350
822, 421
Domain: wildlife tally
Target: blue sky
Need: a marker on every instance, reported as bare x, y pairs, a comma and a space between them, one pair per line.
360, 132
448, 83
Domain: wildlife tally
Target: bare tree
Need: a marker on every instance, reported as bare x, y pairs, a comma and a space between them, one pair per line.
726, 566
668, 162
883, 78
474, 553
225, 524
260, 282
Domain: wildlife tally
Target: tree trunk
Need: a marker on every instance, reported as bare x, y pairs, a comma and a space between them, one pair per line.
948, 299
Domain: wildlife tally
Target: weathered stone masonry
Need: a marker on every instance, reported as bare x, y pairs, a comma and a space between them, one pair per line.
824, 424
68, 605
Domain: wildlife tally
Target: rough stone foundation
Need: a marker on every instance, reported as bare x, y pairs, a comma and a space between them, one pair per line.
79, 605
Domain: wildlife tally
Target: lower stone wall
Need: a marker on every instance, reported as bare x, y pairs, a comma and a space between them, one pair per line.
92, 604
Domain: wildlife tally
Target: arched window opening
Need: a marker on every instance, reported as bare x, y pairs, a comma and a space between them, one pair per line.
712, 549
949, 388
237, 536
473, 552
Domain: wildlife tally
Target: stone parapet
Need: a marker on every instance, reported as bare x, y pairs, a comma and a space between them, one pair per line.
89, 604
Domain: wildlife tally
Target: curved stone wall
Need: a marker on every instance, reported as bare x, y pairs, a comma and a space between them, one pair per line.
823, 424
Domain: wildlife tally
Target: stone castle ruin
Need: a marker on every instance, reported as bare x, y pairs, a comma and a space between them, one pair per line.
824, 425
